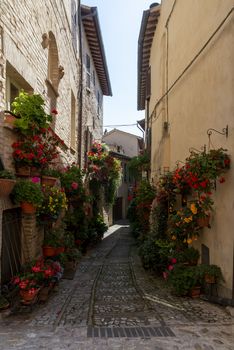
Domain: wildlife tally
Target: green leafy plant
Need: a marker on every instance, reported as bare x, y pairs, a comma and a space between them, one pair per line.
183, 279
6, 174
212, 271
188, 255
139, 164
54, 200
27, 191
30, 109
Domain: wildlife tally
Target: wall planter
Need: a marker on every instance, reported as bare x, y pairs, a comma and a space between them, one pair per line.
22, 170
204, 221
6, 186
28, 208
48, 181
9, 121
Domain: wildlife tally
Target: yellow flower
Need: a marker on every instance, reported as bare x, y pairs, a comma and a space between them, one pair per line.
189, 240
193, 208
173, 237
190, 218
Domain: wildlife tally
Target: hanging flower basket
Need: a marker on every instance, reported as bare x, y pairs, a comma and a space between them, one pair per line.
28, 208
6, 186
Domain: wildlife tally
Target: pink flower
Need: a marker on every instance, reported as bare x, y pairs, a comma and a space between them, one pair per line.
165, 275
170, 267
16, 280
74, 185
35, 179
173, 260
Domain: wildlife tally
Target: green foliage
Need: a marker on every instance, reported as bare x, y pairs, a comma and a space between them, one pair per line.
211, 270
183, 279
6, 174
188, 255
27, 191
71, 181
51, 172
96, 228
138, 164
30, 109
155, 255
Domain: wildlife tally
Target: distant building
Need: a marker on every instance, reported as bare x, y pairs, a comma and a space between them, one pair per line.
124, 146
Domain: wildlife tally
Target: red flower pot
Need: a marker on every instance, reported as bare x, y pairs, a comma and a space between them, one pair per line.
28, 296
28, 208
60, 250
49, 251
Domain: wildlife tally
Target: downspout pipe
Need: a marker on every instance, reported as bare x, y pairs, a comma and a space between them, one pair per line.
80, 92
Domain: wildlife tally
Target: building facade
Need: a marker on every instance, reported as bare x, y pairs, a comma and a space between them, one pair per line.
95, 80
185, 86
124, 146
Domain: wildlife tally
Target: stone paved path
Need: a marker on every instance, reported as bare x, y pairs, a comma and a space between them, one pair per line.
112, 303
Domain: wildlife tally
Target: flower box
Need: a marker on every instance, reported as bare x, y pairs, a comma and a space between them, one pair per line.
48, 181
28, 208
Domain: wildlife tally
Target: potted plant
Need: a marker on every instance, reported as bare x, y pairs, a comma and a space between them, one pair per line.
49, 176
185, 280
211, 273
54, 201
7, 182
188, 256
29, 195
30, 110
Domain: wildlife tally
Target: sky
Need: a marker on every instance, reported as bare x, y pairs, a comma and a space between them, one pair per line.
120, 22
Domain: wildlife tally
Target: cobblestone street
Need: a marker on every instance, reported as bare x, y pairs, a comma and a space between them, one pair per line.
112, 303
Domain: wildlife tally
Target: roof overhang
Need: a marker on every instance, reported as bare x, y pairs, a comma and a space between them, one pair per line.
89, 16
147, 31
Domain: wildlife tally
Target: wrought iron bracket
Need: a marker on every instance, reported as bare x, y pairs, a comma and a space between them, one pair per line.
223, 132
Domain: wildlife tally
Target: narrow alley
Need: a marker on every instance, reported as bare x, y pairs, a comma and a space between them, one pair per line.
113, 304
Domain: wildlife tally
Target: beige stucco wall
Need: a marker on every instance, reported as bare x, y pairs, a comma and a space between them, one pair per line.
202, 99
128, 142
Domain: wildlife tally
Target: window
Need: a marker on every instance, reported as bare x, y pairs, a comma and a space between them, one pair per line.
14, 83
88, 72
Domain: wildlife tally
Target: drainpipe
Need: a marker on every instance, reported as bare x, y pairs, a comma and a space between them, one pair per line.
80, 92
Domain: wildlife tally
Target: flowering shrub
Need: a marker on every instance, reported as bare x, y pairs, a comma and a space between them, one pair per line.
53, 202
36, 150
104, 170
72, 182
37, 274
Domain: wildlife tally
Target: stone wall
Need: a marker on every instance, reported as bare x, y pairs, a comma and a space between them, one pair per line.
39, 52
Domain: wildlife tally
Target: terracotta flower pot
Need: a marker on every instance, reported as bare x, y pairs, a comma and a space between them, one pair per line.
195, 292
204, 222
49, 251
9, 121
27, 296
60, 250
48, 180
22, 170
6, 186
209, 279
28, 208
